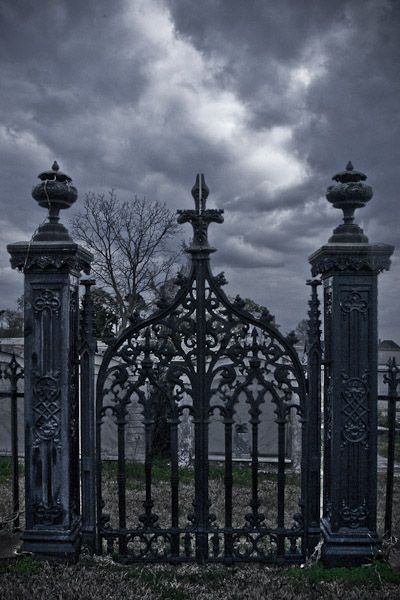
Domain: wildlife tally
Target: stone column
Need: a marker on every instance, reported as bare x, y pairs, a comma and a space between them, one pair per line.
349, 267
51, 263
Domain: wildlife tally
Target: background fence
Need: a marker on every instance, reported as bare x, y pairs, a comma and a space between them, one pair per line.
11, 379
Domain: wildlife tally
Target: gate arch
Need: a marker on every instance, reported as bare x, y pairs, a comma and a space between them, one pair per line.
204, 355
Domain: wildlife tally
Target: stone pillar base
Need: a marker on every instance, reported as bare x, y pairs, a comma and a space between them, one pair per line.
347, 549
89, 539
313, 539
55, 545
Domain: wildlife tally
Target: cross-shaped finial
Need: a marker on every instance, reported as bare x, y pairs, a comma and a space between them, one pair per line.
200, 193
391, 377
200, 217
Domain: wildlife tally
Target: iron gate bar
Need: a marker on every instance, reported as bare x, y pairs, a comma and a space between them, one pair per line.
213, 338
313, 442
87, 352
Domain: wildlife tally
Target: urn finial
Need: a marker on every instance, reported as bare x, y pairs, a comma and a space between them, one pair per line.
349, 193
54, 193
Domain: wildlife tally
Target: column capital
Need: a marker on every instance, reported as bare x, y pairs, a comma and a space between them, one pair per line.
350, 258
41, 257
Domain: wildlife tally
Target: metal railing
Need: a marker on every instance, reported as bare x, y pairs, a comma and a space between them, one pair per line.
392, 379
13, 372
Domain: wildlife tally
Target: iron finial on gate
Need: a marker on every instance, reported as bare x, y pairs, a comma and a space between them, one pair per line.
313, 338
200, 193
200, 217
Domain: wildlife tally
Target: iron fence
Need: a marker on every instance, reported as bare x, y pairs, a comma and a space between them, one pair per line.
392, 379
11, 376
12, 372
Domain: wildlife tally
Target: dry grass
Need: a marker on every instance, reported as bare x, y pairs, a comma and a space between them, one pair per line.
91, 580
161, 496
100, 578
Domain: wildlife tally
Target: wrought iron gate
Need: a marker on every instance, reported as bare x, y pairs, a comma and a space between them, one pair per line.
203, 355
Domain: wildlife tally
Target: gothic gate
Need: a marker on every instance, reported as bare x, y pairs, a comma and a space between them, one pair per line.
203, 356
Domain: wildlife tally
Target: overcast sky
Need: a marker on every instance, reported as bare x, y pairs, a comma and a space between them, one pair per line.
269, 98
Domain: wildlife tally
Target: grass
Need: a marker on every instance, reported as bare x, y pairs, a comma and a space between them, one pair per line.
383, 445
6, 469
23, 566
171, 584
93, 577
375, 573
161, 471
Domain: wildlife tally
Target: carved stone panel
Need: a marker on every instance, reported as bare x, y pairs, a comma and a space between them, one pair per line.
46, 409
353, 301
355, 410
47, 300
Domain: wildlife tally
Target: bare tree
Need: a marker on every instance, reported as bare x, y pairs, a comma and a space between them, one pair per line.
302, 330
130, 243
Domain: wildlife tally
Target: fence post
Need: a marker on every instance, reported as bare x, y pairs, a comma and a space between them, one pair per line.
51, 263
313, 425
87, 353
393, 380
349, 266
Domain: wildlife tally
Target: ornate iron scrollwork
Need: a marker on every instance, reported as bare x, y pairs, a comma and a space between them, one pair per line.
203, 354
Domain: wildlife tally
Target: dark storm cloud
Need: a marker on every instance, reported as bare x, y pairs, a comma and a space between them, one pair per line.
268, 99
352, 111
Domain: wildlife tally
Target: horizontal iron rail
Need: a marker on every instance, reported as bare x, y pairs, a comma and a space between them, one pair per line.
253, 554
289, 559
115, 532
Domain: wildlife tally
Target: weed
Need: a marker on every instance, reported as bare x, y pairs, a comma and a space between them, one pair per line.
23, 566
5, 469
161, 471
375, 573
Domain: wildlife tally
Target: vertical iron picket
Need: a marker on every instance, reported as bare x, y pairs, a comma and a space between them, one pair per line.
13, 373
87, 353
228, 480
393, 380
314, 356
174, 422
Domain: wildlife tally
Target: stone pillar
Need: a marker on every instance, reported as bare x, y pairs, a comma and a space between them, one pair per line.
349, 267
51, 263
